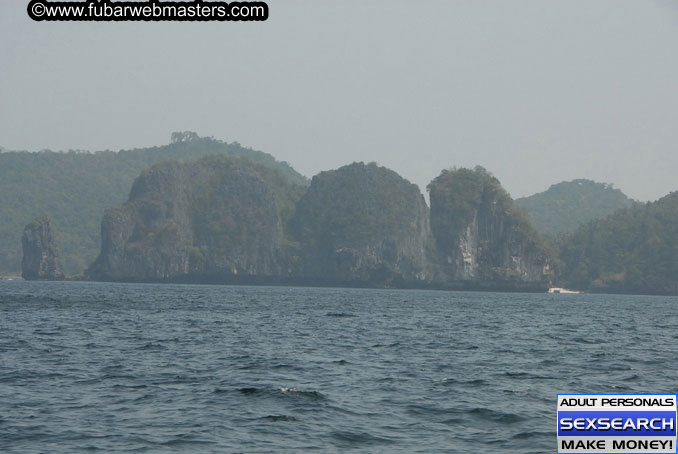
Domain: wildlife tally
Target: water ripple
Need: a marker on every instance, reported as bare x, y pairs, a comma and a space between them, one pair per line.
89, 367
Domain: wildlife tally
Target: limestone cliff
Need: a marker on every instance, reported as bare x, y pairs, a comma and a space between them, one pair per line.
40, 256
482, 240
229, 220
363, 224
217, 219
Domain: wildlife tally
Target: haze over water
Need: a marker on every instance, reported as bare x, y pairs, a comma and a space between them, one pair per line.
102, 367
537, 92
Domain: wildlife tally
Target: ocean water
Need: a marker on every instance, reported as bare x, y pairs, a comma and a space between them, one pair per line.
94, 367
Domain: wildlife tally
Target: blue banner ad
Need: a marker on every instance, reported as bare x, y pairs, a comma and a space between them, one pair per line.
619, 423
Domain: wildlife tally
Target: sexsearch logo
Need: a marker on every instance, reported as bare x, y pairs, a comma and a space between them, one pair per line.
615, 423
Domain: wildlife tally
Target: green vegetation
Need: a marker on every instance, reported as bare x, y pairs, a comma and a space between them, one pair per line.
479, 233
567, 205
356, 205
362, 223
219, 215
459, 192
287, 190
634, 250
356, 216
226, 215
75, 188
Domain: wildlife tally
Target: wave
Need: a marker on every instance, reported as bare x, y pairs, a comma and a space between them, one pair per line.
358, 439
278, 418
302, 393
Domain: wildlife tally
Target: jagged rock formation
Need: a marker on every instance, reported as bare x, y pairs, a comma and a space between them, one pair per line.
218, 219
40, 256
365, 225
229, 220
481, 239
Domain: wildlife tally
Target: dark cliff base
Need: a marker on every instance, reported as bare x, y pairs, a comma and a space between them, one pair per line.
289, 282
518, 287
315, 282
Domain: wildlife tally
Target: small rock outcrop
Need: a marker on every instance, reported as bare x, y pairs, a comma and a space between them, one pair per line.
482, 240
216, 219
40, 255
363, 225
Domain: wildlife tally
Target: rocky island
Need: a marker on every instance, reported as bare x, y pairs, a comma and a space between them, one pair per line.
364, 225
41, 260
229, 220
218, 219
482, 240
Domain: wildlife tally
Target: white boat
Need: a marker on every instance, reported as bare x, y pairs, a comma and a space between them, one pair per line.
562, 290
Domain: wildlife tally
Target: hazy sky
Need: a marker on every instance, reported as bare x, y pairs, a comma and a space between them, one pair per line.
536, 91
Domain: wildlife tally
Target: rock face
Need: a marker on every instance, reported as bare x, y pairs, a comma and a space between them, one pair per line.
40, 257
481, 239
228, 220
217, 219
363, 224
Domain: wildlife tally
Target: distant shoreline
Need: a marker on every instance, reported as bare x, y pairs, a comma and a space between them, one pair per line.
255, 281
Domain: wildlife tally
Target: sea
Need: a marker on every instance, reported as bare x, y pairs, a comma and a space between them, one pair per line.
141, 368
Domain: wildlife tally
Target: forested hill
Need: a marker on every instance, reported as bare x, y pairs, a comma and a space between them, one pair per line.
565, 206
75, 188
635, 250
